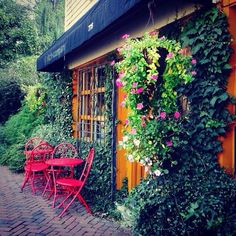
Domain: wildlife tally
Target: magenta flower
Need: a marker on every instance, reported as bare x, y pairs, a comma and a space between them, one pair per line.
154, 77
143, 124
134, 85
194, 72
125, 36
139, 106
169, 143
193, 61
139, 90
163, 115
144, 117
170, 55
176, 115
119, 83
126, 121
112, 63
133, 131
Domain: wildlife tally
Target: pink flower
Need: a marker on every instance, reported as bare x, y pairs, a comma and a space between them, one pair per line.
193, 61
133, 131
176, 115
139, 90
124, 96
133, 91
122, 104
119, 83
194, 72
181, 51
112, 63
125, 36
134, 85
144, 117
121, 74
163, 115
154, 77
170, 55
169, 143
162, 38
126, 121
153, 33
139, 106
119, 50
143, 124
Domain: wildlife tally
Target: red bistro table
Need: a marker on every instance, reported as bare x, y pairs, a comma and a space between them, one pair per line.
61, 162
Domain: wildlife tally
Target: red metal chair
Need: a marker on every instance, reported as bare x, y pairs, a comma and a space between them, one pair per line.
74, 186
62, 150
30, 145
35, 166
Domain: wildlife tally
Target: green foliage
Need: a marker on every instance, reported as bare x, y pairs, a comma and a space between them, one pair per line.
10, 97
17, 32
50, 21
22, 70
197, 197
14, 134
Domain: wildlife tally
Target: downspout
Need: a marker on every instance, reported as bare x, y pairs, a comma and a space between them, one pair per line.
114, 115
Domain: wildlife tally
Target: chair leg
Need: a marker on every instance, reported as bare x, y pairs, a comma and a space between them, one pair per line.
65, 199
81, 199
25, 180
67, 206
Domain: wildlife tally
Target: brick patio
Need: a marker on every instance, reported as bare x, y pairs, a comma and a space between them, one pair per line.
28, 214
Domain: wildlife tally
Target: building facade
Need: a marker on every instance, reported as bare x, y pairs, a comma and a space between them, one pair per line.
93, 33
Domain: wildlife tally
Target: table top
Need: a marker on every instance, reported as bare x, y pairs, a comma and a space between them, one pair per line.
64, 161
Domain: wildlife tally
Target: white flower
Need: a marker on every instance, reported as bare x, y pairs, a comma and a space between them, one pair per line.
142, 162
136, 142
120, 143
150, 142
130, 158
125, 138
157, 172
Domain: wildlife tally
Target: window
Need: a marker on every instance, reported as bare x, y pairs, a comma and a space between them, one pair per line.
91, 104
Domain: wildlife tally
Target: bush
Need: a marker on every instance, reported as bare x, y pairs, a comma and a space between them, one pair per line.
10, 96
15, 133
187, 202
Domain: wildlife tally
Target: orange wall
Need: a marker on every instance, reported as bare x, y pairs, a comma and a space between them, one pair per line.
133, 171
226, 158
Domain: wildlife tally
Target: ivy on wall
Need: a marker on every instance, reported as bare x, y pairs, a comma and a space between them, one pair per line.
198, 197
98, 187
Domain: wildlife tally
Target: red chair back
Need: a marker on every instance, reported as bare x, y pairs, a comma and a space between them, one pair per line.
41, 152
87, 167
65, 150
32, 143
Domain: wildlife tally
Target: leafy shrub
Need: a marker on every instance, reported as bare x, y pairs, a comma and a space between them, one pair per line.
10, 96
15, 132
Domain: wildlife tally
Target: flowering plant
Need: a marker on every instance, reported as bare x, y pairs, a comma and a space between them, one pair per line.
151, 71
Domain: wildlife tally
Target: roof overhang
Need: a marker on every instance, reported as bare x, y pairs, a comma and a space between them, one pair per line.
96, 20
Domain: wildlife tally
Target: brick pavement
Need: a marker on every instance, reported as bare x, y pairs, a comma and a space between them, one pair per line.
28, 214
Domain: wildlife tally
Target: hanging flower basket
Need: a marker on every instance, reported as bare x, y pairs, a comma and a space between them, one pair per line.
150, 73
